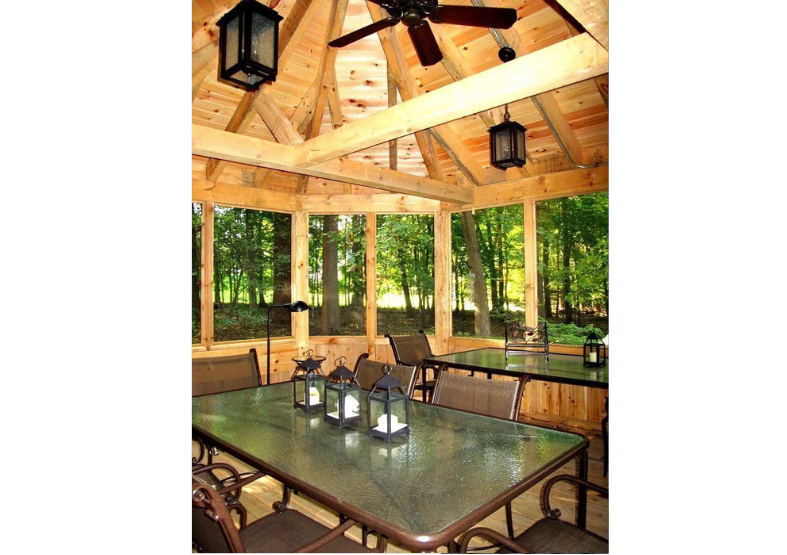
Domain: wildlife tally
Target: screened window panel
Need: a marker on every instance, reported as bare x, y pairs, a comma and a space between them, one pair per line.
337, 275
196, 271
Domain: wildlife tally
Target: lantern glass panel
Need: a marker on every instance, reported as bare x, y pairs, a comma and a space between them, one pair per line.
233, 46
350, 404
520, 143
378, 412
309, 390
263, 35
502, 145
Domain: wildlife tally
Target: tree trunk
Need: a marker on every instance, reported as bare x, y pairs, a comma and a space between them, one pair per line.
251, 249
329, 317
545, 280
501, 290
408, 304
566, 261
282, 241
482, 326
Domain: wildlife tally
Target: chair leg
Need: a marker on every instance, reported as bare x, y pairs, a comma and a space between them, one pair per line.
605, 436
382, 543
364, 535
281, 506
510, 520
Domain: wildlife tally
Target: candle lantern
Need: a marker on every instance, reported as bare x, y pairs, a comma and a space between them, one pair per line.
342, 396
507, 144
388, 412
308, 383
595, 352
249, 44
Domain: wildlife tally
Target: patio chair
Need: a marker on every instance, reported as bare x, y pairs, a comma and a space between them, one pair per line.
548, 535
411, 350
220, 374
368, 372
520, 338
284, 531
497, 398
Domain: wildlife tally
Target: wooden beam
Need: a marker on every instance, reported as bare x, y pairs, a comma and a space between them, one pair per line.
203, 57
442, 279
397, 64
299, 268
562, 127
371, 284
381, 203
393, 150
197, 79
531, 263
541, 187
204, 30
280, 127
244, 197
593, 15
214, 167
206, 293
561, 64
213, 143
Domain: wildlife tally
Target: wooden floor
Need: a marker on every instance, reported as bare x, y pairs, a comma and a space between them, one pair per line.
260, 495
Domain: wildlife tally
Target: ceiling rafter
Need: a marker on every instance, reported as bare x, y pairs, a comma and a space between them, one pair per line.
443, 134
290, 34
593, 15
326, 73
567, 62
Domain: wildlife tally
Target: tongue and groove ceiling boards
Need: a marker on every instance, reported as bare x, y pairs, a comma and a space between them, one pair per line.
324, 125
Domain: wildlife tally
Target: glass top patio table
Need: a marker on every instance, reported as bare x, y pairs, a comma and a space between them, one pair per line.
422, 490
566, 369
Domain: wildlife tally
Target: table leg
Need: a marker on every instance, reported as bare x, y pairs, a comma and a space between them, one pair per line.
582, 492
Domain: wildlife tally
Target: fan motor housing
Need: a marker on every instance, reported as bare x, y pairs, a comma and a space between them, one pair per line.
412, 16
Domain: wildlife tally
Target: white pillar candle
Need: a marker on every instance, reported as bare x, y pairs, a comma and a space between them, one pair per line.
314, 395
382, 422
593, 357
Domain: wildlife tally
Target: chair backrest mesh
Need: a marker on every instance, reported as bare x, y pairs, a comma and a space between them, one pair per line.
219, 374
410, 350
490, 397
368, 372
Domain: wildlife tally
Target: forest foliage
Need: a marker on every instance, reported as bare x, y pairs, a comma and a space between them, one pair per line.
252, 250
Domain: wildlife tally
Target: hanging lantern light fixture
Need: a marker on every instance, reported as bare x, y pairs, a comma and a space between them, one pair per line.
507, 144
249, 44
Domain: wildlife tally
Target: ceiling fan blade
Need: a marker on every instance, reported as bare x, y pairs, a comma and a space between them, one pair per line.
497, 18
364, 32
425, 44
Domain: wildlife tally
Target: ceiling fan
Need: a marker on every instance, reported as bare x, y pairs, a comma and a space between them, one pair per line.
414, 13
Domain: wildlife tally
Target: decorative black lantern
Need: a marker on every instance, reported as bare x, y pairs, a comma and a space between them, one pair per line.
507, 144
249, 44
595, 352
342, 396
388, 412
308, 383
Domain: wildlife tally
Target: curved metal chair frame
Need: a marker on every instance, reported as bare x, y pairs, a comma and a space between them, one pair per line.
546, 509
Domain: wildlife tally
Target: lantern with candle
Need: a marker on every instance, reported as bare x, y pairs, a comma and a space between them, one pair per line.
595, 352
342, 396
308, 383
388, 412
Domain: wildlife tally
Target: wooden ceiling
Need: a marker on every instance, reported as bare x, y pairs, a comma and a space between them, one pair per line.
458, 151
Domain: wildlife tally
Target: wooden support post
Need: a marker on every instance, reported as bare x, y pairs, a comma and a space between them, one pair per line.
442, 278
531, 263
300, 277
206, 297
371, 284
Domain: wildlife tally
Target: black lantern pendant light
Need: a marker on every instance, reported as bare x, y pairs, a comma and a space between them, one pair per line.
249, 44
388, 412
507, 144
342, 396
308, 383
595, 352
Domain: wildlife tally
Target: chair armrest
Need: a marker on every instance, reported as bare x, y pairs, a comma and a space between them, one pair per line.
239, 482
545, 507
327, 538
490, 534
